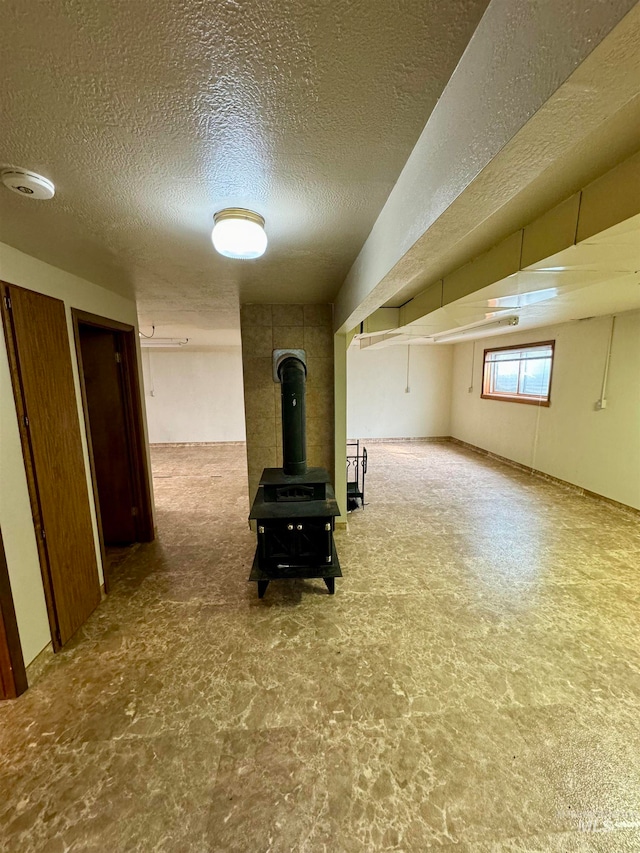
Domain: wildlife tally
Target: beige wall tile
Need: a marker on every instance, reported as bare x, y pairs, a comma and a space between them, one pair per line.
256, 373
318, 341
255, 315
257, 341
260, 402
287, 315
254, 482
319, 430
321, 456
314, 455
319, 372
328, 459
268, 327
285, 337
318, 315
261, 431
319, 401
260, 457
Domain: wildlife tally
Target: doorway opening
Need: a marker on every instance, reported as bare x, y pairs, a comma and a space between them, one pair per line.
110, 386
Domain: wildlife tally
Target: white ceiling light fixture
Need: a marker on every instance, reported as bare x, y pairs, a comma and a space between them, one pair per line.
162, 342
479, 327
239, 233
28, 184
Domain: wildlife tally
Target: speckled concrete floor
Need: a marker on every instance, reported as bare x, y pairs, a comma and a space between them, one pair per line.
473, 685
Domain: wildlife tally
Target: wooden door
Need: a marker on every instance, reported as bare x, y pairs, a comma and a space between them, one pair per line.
104, 388
40, 360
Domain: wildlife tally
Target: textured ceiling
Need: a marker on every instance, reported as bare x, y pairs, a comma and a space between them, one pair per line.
149, 117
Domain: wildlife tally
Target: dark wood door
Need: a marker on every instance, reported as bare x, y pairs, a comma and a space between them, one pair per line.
13, 676
40, 359
102, 368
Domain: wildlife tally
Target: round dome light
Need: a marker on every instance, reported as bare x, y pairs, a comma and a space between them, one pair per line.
239, 233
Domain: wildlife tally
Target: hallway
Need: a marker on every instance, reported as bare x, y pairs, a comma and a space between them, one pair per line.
474, 685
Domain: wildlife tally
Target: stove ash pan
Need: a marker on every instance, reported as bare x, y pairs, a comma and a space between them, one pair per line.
295, 506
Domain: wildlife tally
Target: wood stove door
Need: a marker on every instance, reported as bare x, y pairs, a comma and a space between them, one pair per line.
313, 541
301, 542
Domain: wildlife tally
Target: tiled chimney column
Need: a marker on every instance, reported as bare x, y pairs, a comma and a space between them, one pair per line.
268, 327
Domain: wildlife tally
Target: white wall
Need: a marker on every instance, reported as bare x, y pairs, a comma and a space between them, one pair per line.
15, 511
377, 405
194, 395
596, 450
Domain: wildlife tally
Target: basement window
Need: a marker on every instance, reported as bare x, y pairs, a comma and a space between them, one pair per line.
519, 374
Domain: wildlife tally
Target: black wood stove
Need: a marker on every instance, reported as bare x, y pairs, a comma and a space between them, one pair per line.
295, 506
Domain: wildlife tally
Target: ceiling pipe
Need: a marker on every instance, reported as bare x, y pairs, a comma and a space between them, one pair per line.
479, 327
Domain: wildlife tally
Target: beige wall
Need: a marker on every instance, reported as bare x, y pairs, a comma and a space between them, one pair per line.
340, 423
268, 327
15, 512
194, 395
596, 450
378, 405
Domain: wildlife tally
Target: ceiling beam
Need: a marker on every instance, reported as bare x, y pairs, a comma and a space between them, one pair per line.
504, 118
613, 198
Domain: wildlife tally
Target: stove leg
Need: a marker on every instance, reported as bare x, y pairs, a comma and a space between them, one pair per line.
262, 588
331, 585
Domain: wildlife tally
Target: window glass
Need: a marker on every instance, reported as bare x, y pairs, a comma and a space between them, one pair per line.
521, 374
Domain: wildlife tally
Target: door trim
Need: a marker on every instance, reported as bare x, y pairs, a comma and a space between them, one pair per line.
134, 422
13, 675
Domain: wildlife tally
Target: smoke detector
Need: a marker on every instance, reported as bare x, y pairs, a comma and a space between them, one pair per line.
28, 184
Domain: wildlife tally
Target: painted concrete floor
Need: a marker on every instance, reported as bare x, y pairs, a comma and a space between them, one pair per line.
473, 686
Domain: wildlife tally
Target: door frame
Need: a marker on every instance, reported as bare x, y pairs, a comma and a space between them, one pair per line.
134, 425
13, 674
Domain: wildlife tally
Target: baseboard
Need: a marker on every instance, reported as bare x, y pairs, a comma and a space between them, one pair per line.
565, 484
39, 664
421, 439
196, 443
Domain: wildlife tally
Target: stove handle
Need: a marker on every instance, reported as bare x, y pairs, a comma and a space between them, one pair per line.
262, 542
329, 555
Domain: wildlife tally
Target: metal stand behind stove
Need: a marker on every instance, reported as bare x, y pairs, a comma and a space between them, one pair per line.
295, 507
